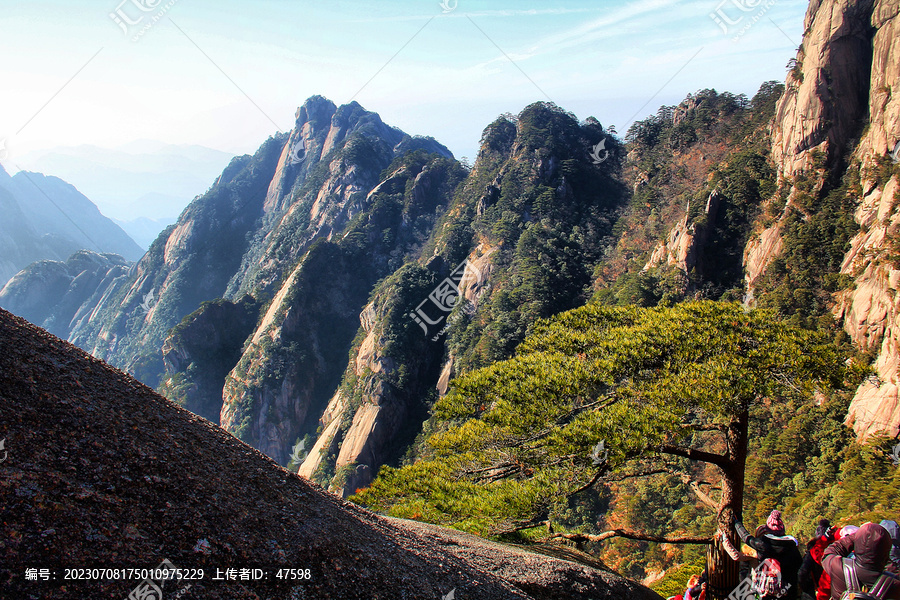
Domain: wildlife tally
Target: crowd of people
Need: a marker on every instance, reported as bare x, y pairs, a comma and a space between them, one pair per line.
838, 563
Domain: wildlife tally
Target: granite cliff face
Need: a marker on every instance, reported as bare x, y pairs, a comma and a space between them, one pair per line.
839, 120
870, 309
200, 351
821, 113
686, 241
294, 358
214, 249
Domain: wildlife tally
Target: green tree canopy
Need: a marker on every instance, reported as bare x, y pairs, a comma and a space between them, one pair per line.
655, 385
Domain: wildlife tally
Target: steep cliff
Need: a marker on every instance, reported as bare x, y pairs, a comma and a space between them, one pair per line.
870, 308
201, 350
293, 361
686, 240
817, 120
189, 263
302, 232
830, 246
795, 211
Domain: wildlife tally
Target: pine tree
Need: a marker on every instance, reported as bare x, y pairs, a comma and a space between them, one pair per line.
602, 394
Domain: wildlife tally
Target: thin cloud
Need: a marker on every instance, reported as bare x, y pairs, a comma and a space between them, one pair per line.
609, 25
603, 27
534, 12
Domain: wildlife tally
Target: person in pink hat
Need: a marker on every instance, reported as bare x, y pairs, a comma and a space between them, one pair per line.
774, 523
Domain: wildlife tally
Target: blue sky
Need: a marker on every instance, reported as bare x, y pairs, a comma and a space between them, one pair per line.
228, 74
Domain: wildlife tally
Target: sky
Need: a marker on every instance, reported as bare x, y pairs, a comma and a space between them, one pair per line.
227, 74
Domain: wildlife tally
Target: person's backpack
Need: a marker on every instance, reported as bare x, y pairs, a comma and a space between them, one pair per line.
766, 579
855, 591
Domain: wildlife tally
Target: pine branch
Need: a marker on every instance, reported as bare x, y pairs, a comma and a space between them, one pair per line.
624, 476
694, 454
590, 483
601, 474
631, 535
495, 472
602, 403
540, 521
705, 499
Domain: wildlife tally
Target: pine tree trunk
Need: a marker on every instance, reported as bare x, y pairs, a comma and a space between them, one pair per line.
724, 572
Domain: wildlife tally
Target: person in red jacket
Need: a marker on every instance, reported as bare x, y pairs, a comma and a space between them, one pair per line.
871, 548
811, 573
823, 592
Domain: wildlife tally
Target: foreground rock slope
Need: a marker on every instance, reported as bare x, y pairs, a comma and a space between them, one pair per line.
99, 471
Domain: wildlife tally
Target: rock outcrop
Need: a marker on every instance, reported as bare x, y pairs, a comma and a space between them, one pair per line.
59, 296
685, 242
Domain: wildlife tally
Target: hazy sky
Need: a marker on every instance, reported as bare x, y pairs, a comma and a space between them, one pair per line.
228, 74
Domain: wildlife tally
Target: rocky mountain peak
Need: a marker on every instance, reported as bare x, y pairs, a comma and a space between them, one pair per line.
317, 110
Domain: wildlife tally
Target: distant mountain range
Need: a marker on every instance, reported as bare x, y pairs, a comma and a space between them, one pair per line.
46, 218
140, 180
143, 230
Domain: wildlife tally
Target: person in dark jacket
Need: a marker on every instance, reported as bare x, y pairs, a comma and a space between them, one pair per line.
781, 547
894, 530
871, 547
